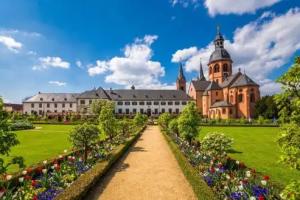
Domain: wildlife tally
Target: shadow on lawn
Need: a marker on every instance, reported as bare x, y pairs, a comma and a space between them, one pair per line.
234, 151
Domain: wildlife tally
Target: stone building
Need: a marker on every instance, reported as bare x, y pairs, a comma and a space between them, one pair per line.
225, 94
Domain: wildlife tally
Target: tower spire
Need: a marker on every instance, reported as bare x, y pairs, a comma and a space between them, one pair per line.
180, 74
201, 74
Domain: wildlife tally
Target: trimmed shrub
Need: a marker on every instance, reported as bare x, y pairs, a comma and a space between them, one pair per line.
21, 125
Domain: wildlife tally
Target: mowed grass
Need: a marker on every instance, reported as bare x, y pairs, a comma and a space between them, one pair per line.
257, 148
44, 142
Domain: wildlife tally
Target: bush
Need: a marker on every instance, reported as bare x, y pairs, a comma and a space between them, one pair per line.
140, 119
173, 127
164, 120
21, 125
216, 144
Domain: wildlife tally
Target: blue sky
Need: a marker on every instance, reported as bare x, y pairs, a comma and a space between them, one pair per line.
59, 46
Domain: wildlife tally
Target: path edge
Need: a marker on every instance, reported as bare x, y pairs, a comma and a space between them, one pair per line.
200, 188
88, 180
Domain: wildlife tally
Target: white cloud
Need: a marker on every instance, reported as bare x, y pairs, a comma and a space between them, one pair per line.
259, 47
57, 83
236, 6
134, 68
226, 6
184, 54
79, 64
100, 68
10, 43
269, 87
46, 62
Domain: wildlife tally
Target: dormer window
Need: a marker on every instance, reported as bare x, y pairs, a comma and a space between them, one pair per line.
146, 96
65, 99
41, 99
52, 99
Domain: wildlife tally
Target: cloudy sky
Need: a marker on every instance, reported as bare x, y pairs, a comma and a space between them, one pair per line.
59, 46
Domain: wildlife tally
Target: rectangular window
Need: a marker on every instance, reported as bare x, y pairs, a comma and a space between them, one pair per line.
170, 103
120, 103
217, 93
142, 110
48, 105
55, 105
177, 102
82, 102
230, 111
120, 111
127, 111
40, 105
71, 105
163, 110
142, 103
40, 112
149, 103
32, 105
90, 101
156, 103
155, 111
223, 111
134, 103
183, 102
127, 103
170, 110
63, 105
134, 110
177, 111
55, 111
163, 103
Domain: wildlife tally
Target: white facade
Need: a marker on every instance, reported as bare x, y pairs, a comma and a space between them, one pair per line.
42, 108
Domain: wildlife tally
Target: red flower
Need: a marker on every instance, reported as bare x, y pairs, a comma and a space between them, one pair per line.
29, 170
27, 177
33, 183
212, 170
2, 190
39, 169
57, 168
35, 197
261, 197
266, 178
242, 165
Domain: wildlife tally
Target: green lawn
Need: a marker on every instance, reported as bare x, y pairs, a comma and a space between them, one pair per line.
44, 142
257, 148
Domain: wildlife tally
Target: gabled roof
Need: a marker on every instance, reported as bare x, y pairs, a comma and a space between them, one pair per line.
221, 104
200, 84
147, 95
230, 79
213, 86
243, 80
99, 93
52, 97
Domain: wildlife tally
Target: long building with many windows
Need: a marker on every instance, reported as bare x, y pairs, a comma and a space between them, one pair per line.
127, 101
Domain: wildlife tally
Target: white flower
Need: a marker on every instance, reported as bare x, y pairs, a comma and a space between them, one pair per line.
241, 187
237, 162
205, 174
252, 198
44, 171
8, 177
55, 165
227, 176
21, 179
217, 169
80, 159
73, 158
24, 172
69, 157
263, 182
204, 157
45, 162
65, 151
248, 174
226, 187
60, 156
52, 167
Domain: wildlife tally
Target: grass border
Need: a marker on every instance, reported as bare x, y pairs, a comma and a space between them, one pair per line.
200, 188
84, 183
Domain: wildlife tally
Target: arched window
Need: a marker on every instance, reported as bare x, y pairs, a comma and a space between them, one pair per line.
216, 68
225, 68
252, 97
231, 99
240, 98
210, 70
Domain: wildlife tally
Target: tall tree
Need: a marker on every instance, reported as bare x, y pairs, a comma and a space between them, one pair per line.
266, 107
107, 121
188, 122
84, 137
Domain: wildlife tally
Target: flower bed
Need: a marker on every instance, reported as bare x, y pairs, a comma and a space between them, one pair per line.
229, 179
51, 178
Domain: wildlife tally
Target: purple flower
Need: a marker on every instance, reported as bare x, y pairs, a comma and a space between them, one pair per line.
259, 191
48, 194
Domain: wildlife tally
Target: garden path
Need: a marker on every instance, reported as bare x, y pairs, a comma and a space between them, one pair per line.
148, 171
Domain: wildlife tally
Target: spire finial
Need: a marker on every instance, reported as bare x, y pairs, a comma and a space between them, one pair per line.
201, 74
218, 29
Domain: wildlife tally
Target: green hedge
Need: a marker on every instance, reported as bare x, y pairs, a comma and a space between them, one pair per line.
84, 183
240, 125
202, 191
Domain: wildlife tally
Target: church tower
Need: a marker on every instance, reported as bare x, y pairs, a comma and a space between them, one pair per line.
201, 74
220, 63
181, 81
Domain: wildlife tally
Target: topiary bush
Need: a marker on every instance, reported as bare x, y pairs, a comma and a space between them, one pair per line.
21, 125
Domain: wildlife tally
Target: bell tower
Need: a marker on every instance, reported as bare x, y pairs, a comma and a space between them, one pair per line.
181, 81
220, 63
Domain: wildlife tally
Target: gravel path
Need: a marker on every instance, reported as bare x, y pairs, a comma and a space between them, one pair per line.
148, 171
